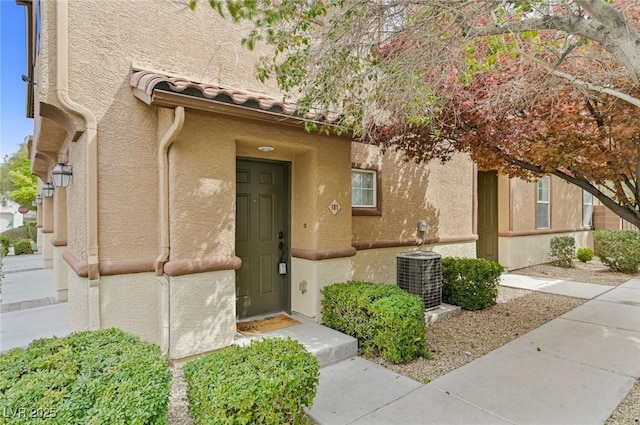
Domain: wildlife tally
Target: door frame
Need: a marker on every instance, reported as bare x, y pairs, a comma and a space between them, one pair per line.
286, 166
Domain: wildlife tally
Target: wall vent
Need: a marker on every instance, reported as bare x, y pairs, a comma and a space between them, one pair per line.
420, 273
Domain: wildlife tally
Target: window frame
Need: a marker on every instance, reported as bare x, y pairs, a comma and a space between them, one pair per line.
584, 205
377, 192
546, 202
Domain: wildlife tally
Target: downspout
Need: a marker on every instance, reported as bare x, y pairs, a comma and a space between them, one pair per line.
91, 134
163, 203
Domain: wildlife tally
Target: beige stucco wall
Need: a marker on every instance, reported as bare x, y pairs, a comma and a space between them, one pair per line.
130, 302
522, 251
202, 314
315, 275
60, 274
379, 265
105, 39
78, 293
520, 244
202, 175
565, 204
441, 194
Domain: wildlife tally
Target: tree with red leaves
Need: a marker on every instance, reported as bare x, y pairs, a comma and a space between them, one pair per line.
527, 87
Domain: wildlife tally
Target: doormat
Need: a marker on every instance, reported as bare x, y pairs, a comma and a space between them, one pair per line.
258, 326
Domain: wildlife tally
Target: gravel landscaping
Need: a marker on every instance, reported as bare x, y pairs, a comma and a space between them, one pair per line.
457, 340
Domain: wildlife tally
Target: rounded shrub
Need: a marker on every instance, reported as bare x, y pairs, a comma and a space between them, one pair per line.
562, 250
585, 254
266, 382
22, 246
618, 249
93, 377
386, 320
471, 283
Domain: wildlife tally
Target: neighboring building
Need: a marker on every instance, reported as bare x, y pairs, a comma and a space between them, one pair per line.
10, 217
195, 199
518, 219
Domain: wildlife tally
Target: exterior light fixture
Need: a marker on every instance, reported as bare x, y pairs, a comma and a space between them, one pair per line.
47, 190
61, 174
266, 148
38, 199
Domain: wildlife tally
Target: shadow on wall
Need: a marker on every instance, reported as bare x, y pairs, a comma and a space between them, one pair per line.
405, 200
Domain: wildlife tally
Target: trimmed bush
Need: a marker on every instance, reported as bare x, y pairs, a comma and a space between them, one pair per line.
471, 283
585, 254
5, 243
23, 246
562, 250
386, 320
93, 377
618, 249
266, 382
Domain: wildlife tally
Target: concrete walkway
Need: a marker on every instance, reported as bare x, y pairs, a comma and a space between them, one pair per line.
29, 310
575, 369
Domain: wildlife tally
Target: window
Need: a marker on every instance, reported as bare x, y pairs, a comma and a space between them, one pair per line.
587, 208
365, 190
543, 220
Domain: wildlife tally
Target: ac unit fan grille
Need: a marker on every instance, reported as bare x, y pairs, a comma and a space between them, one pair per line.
420, 273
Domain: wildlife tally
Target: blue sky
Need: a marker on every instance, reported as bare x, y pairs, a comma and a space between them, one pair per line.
14, 126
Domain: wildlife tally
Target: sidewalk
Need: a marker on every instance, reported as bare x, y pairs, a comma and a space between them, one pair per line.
29, 309
575, 369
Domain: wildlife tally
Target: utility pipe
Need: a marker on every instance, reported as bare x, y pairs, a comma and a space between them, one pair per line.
91, 135
163, 205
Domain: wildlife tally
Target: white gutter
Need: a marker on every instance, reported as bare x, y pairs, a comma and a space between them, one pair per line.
91, 135
163, 203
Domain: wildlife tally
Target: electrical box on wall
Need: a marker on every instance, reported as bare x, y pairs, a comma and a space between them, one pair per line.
422, 225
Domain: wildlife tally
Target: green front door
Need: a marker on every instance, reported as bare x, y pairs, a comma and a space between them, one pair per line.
487, 246
262, 230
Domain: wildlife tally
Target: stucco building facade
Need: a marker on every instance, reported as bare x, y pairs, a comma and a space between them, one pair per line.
197, 198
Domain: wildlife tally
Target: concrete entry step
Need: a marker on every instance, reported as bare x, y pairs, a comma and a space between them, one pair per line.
327, 345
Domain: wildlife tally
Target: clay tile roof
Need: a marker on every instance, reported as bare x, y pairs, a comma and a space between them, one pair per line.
150, 81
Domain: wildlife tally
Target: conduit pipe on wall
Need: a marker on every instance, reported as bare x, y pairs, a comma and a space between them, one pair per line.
163, 203
91, 134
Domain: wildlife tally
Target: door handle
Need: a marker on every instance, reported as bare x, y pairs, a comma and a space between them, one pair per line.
280, 235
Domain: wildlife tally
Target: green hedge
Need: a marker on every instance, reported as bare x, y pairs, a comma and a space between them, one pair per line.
471, 283
562, 250
23, 246
93, 377
386, 320
618, 249
266, 382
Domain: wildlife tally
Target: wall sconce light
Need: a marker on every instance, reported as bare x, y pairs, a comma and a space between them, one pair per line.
38, 199
47, 190
61, 174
